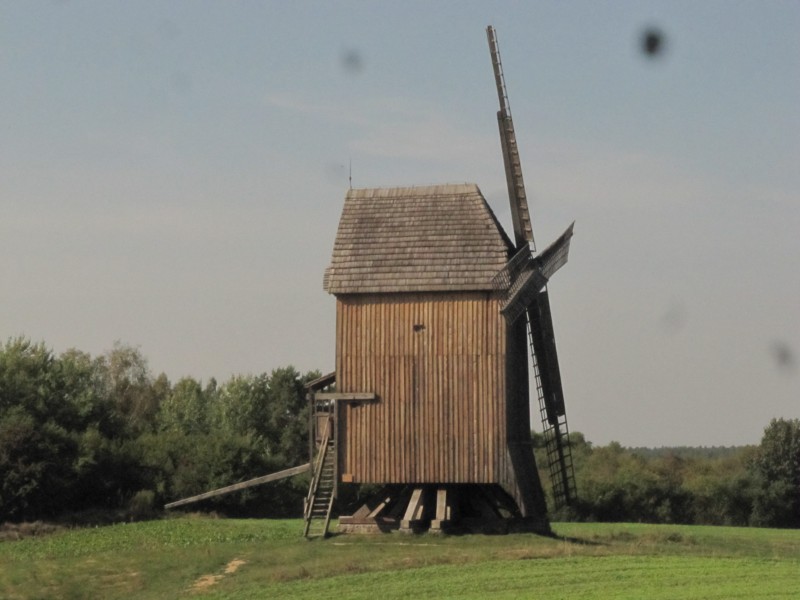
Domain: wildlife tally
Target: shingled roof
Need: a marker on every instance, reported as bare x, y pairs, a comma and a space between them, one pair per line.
416, 239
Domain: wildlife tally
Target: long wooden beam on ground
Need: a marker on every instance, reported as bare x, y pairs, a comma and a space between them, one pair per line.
242, 485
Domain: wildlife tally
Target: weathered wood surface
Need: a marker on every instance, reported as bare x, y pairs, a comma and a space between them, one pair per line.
416, 239
414, 510
240, 486
437, 363
321, 382
346, 396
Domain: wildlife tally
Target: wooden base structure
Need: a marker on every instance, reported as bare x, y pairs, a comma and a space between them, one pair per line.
451, 508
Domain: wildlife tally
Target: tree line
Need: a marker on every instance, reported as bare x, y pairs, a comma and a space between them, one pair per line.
82, 433
79, 432
746, 485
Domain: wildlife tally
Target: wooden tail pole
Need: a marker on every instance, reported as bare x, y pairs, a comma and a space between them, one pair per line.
240, 486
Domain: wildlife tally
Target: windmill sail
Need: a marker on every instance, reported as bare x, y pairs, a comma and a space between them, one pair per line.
525, 279
523, 231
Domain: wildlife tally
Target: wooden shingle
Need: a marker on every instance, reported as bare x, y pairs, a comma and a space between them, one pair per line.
416, 239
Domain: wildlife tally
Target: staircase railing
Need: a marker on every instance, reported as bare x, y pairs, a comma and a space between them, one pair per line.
313, 489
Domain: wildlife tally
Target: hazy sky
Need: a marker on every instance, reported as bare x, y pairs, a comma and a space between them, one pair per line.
172, 175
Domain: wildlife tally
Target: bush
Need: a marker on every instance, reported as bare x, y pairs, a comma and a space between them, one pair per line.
142, 505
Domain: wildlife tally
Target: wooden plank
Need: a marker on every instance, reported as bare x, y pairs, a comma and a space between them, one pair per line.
442, 509
387, 428
242, 485
336, 441
347, 396
414, 509
379, 508
321, 382
484, 400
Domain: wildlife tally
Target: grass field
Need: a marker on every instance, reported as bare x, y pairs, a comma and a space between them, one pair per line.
226, 558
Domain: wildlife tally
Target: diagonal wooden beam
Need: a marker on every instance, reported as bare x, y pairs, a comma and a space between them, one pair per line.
240, 486
414, 510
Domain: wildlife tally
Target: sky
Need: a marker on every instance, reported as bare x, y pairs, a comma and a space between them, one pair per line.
171, 177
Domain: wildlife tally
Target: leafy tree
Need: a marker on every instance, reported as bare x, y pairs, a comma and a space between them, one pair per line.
79, 432
272, 409
36, 449
185, 408
722, 488
29, 379
81, 391
127, 382
241, 406
214, 436
288, 415
616, 484
185, 464
35, 465
777, 465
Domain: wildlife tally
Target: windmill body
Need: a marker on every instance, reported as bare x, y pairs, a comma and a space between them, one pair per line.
436, 309
419, 326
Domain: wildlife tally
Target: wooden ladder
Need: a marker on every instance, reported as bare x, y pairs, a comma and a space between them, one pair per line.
547, 378
319, 501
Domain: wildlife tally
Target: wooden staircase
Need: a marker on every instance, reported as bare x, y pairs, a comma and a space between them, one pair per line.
319, 501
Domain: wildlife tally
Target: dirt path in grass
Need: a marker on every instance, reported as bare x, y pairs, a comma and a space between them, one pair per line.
206, 581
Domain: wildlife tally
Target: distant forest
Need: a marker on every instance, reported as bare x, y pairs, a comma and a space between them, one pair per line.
687, 451
86, 438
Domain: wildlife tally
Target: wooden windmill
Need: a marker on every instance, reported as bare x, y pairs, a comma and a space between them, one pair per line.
435, 309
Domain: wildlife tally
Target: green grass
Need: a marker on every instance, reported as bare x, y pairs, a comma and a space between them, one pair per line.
164, 559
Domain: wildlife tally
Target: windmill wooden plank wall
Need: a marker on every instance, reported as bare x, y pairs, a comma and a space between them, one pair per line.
438, 363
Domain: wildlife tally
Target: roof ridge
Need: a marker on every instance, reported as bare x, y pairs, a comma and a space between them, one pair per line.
442, 189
